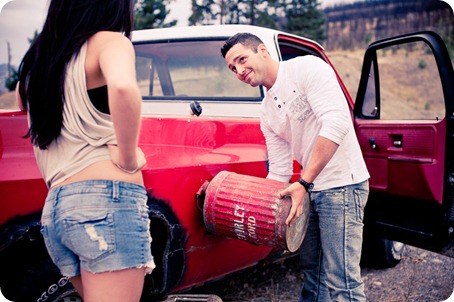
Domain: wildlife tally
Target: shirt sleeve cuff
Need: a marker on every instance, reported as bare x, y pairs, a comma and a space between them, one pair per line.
281, 178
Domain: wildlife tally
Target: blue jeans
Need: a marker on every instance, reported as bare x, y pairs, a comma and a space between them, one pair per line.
331, 250
97, 225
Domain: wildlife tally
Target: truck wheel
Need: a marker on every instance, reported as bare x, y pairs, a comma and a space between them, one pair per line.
28, 274
381, 253
40, 282
61, 291
392, 252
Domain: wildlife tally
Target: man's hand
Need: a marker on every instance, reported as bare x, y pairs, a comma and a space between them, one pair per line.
296, 192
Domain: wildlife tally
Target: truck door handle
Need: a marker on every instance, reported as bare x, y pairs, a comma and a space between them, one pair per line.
397, 143
372, 143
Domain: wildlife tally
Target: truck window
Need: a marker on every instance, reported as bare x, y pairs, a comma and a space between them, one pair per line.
409, 86
291, 47
188, 70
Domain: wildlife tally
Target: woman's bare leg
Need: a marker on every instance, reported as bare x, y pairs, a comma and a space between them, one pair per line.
77, 283
122, 286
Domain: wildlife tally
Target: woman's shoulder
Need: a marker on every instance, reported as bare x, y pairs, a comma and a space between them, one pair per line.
108, 37
107, 41
105, 46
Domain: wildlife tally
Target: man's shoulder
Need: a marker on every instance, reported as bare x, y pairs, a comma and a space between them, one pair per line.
306, 59
299, 66
307, 65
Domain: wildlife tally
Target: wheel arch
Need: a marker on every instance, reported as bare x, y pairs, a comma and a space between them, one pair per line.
169, 238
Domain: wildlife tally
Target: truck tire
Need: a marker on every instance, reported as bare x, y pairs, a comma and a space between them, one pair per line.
381, 253
61, 290
28, 274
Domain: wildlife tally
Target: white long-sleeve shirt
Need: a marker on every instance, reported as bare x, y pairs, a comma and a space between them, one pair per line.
305, 102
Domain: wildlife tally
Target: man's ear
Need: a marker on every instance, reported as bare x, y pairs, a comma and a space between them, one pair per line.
262, 49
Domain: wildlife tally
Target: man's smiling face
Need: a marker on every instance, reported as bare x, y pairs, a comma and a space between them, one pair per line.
247, 64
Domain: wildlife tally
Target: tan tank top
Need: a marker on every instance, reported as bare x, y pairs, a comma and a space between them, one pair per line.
85, 132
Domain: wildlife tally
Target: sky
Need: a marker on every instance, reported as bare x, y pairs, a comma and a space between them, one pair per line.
20, 18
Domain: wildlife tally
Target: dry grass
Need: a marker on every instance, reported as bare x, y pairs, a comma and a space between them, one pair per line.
409, 82
348, 65
8, 101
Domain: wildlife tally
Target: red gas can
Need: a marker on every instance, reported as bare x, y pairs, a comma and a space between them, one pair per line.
249, 208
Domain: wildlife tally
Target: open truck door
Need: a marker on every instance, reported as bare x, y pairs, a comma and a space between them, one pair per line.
404, 118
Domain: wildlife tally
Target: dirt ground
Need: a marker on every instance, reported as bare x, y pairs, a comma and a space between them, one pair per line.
421, 276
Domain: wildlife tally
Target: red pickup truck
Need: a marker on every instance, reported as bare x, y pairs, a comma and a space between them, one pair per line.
199, 120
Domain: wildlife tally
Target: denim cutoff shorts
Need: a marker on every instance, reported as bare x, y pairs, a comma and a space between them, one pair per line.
97, 225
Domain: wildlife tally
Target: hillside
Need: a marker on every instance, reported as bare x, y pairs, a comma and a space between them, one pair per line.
8, 100
348, 65
408, 90
355, 25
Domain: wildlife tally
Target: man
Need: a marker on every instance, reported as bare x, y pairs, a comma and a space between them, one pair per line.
305, 116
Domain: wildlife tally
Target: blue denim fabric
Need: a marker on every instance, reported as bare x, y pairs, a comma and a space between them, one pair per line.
331, 250
97, 225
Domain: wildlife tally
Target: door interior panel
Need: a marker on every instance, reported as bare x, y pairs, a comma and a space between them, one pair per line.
403, 158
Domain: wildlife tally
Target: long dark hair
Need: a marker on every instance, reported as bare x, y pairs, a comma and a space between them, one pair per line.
68, 26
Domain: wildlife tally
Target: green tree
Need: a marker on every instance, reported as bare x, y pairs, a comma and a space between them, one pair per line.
206, 12
32, 39
11, 81
305, 19
270, 14
13, 74
300, 17
265, 19
255, 13
151, 14
233, 12
203, 12
229, 12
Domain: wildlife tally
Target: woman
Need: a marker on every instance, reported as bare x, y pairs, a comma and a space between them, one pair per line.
77, 82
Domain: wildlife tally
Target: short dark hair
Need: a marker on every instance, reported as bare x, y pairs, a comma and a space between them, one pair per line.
249, 40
